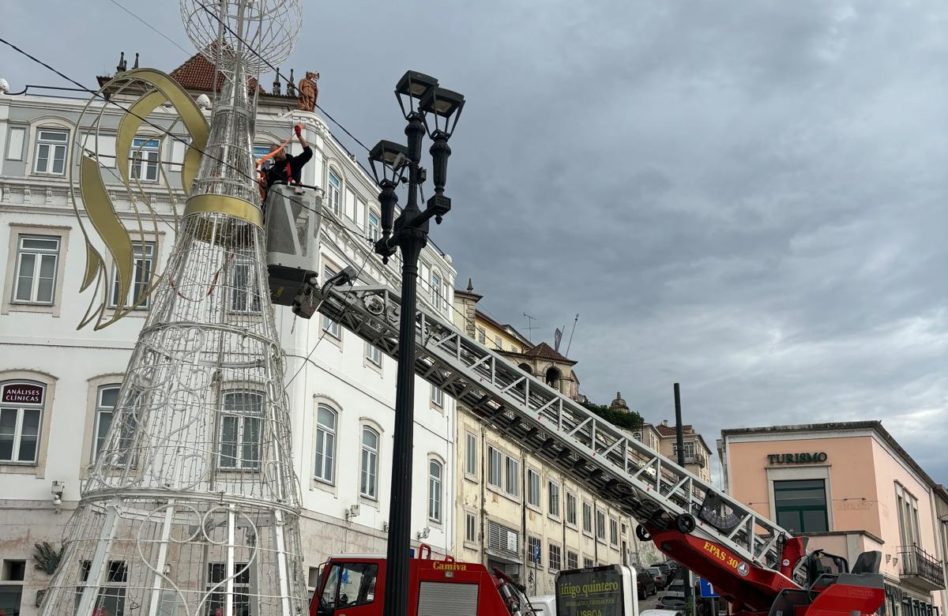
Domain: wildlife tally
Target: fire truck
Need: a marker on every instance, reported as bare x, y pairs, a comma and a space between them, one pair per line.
759, 567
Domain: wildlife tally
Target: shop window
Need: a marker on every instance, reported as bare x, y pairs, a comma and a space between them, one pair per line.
801, 505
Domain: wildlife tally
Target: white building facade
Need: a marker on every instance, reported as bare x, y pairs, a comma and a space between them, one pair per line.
58, 383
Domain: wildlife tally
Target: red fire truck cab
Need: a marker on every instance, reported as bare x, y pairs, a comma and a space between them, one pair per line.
355, 586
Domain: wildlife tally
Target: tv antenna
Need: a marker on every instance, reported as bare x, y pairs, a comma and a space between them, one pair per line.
530, 321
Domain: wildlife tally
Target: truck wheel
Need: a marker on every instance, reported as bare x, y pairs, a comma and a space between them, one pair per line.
642, 533
685, 523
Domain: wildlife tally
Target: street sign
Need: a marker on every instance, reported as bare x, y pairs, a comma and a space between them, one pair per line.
536, 553
707, 590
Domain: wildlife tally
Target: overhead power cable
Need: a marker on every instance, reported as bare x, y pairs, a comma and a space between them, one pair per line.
281, 76
151, 27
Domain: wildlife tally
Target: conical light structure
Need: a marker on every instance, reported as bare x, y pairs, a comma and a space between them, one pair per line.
192, 505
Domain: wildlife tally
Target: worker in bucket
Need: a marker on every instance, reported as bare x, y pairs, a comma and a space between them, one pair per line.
287, 169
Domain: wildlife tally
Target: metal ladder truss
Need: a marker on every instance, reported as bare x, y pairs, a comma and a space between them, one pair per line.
594, 452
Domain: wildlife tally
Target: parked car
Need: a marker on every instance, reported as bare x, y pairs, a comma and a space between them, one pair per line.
666, 570
673, 597
543, 605
645, 583
661, 580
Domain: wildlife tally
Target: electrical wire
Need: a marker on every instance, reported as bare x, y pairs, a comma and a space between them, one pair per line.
151, 27
180, 140
339, 315
280, 75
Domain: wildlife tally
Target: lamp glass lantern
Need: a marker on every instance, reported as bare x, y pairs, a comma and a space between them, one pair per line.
413, 86
445, 107
388, 160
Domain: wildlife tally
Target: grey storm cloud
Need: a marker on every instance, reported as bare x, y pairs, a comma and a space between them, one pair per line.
748, 198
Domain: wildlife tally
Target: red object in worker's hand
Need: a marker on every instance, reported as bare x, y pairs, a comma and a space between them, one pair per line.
299, 130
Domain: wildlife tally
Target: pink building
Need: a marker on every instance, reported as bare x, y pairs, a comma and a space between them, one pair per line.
849, 487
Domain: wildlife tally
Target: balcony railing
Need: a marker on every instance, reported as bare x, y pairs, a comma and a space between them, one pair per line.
696, 458
921, 567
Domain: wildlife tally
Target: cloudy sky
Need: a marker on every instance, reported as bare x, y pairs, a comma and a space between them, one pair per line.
748, 197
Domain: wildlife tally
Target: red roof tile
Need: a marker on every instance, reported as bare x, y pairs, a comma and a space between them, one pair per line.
197, 73
545, 351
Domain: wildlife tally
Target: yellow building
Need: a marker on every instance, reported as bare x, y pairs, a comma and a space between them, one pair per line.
514, 511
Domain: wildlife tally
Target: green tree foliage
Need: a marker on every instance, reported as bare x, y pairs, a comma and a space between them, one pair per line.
629, 420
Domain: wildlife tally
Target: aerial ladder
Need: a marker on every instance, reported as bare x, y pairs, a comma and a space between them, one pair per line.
758, 566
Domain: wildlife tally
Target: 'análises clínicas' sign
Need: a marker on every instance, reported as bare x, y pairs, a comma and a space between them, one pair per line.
22, 393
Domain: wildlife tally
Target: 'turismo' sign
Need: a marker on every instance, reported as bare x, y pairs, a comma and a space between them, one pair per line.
797, 458
22, 393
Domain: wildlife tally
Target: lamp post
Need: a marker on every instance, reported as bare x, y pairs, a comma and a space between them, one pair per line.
427, 108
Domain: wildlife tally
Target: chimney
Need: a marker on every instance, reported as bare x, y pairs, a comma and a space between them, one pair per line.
290, 85
122, 65
134, 66
665, 422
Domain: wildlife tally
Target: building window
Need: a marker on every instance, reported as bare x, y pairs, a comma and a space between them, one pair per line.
111, 599
533, 488
11, 594
351, 205
434, 490
908, 516
571, 509
21, 416
572, 560
437, 396
689, 449
240, 430
375, 226
499, 343
553, 493
143, 261
587, 562
329, 326
503, 472
335, 193
534, 549
259, 151
556, 557
373, 354
801, 505
36, 263
217, 587
481, 335
370, 463
513, 477
106, 398
51, 151
439, 292
244, 297
143, 159
587, 518
325, 444
470, 527
470, 454
495, 468
601, 526
613, 532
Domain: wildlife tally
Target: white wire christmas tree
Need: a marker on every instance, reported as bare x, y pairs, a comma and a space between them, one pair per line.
192, 505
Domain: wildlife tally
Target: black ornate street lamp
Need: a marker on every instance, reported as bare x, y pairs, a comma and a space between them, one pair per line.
433, 110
